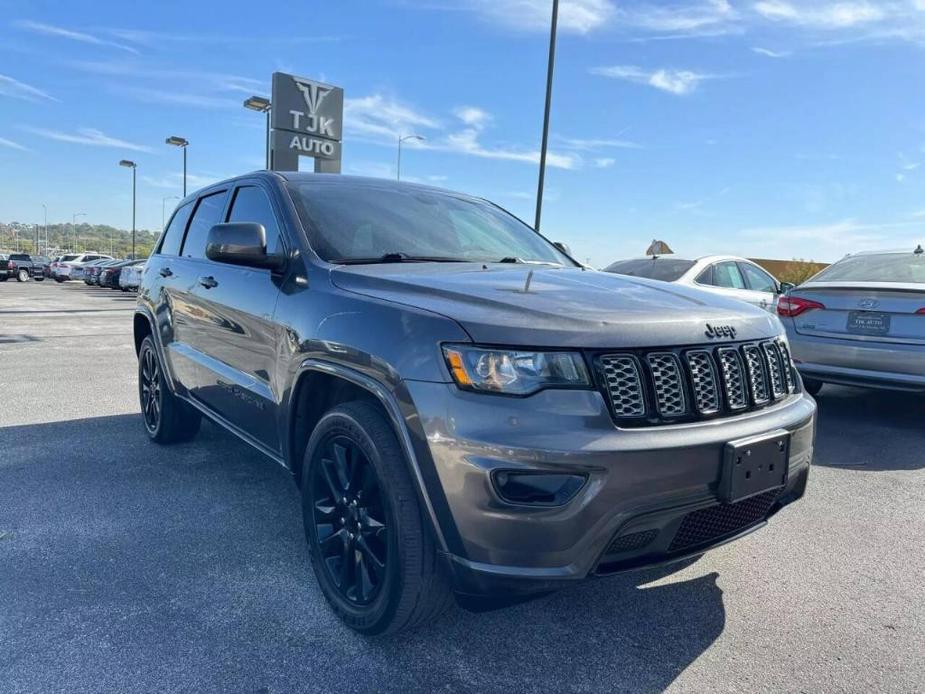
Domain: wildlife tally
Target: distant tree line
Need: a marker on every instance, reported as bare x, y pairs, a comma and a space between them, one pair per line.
15, 236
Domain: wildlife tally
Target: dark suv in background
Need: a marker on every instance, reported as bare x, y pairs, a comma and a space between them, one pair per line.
464, 407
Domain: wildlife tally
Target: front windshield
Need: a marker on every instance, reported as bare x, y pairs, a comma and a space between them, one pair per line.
365, 222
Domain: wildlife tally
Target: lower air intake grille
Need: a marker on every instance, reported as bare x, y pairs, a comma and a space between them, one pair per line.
627, 543
706, 525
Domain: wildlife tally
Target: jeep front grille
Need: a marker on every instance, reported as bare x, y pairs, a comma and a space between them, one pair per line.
685, 384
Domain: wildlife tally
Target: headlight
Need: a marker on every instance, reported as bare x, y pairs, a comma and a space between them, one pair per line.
514, 372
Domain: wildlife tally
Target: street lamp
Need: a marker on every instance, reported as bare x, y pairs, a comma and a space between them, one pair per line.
163, 202
549, 70
401, 139
133, 166
74, 225
182, 144
259, 103
45, 207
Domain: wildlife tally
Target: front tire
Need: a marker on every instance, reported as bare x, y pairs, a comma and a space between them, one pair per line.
22, 276
167, 419
372, 551
812, 386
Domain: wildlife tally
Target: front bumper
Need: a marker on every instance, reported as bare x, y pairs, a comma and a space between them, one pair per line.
643, 482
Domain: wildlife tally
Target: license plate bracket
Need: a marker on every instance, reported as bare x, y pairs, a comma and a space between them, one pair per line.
754, 465
868, 323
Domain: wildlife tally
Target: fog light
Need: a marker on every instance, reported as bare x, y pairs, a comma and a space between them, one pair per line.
537, 488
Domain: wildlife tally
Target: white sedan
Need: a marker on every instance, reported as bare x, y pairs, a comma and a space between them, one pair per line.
727, 275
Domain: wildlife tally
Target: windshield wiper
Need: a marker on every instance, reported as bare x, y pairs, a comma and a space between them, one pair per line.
396, 257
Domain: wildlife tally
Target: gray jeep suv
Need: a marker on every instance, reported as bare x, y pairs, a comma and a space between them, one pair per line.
465, 408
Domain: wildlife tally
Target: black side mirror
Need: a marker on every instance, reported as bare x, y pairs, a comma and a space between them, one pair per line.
785, 287
241, 243
563, 247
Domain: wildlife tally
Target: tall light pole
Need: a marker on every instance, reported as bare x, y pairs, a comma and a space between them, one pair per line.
163, 202
74, 225
133, 166
182, 144
402, 138
45, 207
261, 104
549, 71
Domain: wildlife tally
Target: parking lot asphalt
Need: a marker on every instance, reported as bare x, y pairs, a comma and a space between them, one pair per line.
125, 566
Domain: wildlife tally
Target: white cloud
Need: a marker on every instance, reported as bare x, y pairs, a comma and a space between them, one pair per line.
709, 14
20, 90
604, 162
600, 143
82, 37
174, 181
380, 117
769, 53
829, 241
170, 97
466, 142
678, 82
13, 145
381, 120
575, 16
87, 136
472, 116
838, 15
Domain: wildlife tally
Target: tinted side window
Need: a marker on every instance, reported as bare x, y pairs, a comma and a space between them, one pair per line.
208, 213
705, 277
757, 279
728, 275
173, 234
251, 204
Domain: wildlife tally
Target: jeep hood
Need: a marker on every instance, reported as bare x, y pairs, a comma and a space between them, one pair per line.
542, 306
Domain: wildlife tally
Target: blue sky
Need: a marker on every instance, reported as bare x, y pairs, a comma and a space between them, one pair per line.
775, 128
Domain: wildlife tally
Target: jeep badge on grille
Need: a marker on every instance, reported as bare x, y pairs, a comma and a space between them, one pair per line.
719, 331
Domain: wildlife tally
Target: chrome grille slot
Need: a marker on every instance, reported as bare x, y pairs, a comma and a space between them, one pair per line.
788, 365
776, 370
667, 383
624, 384
704, 383
757, 374
733, 378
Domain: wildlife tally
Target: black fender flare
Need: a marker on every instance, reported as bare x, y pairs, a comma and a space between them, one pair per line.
428, 486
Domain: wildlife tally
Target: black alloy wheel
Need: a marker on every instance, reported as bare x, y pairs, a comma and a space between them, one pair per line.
350, 516
150, 386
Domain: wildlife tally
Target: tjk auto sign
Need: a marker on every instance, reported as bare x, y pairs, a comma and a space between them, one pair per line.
307, 119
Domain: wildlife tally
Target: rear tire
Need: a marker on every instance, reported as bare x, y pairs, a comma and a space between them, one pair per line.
372, 550
4, 279
167, 419
812, 386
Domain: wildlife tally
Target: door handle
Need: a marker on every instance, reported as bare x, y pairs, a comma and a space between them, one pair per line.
208, 282
165, 272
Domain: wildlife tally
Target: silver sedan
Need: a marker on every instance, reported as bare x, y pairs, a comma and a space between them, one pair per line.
861, 322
